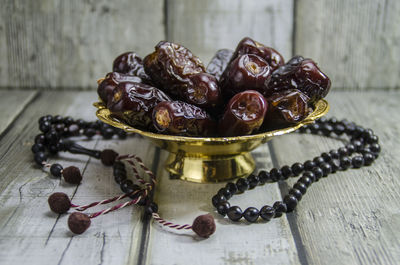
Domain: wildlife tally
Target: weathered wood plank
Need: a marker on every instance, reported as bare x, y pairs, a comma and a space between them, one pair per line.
55, 43
355, 42
12, 103
232, 243
351, 217
29, 231
212, 25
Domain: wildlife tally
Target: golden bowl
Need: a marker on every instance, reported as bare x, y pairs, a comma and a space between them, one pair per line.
209, 159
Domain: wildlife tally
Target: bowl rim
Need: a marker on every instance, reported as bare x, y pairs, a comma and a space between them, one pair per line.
104, 114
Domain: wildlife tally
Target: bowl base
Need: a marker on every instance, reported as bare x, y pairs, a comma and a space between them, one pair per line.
208, 169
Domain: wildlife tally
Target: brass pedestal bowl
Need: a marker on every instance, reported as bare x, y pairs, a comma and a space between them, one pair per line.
209, 159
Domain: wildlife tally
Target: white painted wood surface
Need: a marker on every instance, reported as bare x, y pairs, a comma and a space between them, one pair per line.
357, 43
64, 44
348, 218
207, 26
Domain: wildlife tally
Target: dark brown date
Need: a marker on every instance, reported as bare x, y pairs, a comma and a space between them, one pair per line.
202, 91
285, 108
134, 102
107, 85
219, 62
180, 118
130, 63
302, 74
170, 67
270, 55
246, 72
244, 114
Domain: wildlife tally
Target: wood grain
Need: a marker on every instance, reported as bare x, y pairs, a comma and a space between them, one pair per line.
357, 43
71, 44
212, 25
13, 103
29, 231
233, 243
351, 217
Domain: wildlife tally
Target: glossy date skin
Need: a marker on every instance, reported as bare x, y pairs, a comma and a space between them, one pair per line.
286, 108
180, 118
302, 74
250, 46
170, 67
219, 62
134, 102
246, 72
202, 91
244, 114
131, 64
111, 80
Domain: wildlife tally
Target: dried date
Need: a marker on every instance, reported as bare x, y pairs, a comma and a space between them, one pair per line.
130, 63
246, 72
219, 62
244, 114
302, 74
202, 91
285, 108
170, 67
111, 80
180, 118
270, 55
134, 102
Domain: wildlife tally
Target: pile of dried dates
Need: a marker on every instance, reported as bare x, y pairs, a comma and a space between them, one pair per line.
240, 92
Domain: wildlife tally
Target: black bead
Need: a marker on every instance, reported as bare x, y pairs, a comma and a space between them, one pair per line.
40, 157
275, 174
335, 166
55, 170
73, 129
339, 129
58, 119
267, 212
306, 181
286, 172
81, 123
53, 149
373, 139
232, 187
333, 121
52, 137
291, 202
253, 181
251, 214
235, 213
334, 154
327, 129
301, 187
225, 192
358, 145
375, 148
297, 168
217, 199
45, 126
119, 178
89, 132
296, 193
126, 185
107, 133
310, 175
280, 208
119, 165
308, 165
318, 160
318, 173
326, 169
223, 208
327, 157
368, 159
343, 151
242, 184
350, 149
131, 189
60, 127
121, 134
37, 148
119, 170
151, 208
40, 139
345, 163
314, 128
42, 119
357, 161
263, 176
68, 121
358, 132
322, 120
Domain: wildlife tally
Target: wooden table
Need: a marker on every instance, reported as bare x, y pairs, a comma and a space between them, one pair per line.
351, 217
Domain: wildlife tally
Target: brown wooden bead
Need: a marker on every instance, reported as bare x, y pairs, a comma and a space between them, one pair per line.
204, 225
72, 175
78, 222
108, 156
